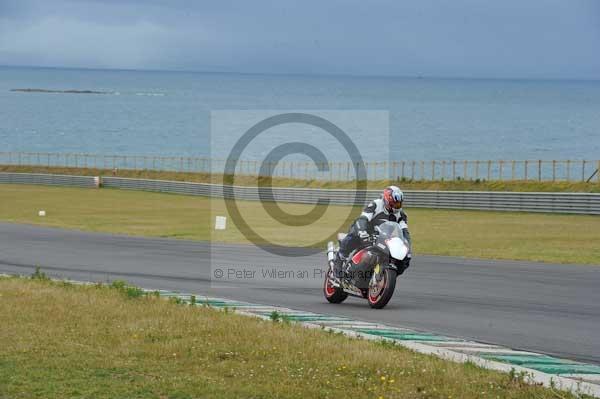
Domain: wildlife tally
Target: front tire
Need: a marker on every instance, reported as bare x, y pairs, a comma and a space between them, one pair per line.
381, 291
332, 293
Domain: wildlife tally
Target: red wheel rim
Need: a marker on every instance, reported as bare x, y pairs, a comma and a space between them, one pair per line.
329, 288
375, 298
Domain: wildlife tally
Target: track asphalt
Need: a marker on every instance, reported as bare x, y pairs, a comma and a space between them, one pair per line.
548, 308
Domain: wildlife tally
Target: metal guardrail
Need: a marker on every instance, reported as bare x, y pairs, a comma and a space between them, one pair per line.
46, 179
575, 203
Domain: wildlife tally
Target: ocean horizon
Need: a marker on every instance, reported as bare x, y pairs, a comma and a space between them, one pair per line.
168, 112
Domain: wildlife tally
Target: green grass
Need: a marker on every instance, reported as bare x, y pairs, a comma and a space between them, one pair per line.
450, 185
66, 341
476, 234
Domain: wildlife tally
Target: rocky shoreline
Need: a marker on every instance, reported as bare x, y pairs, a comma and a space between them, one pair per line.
60, 91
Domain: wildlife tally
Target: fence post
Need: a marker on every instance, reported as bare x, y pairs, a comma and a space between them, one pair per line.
526, 168
330, 165
598, 173
414, 164
539, 170
554, 170
403, 169
501, 166
443, 170
433, 170
568, 169
583, 170
489, 171
465, 166
476, 170
386, 174
453, 170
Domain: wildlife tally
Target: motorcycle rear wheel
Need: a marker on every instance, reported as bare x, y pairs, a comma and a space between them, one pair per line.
332, 293
379, 299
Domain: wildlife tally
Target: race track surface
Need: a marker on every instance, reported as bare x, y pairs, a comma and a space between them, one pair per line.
547, 308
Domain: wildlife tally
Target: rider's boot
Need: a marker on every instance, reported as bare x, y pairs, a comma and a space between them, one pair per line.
338, 266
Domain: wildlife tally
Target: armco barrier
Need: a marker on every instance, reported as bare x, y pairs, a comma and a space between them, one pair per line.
576, 203
46, 179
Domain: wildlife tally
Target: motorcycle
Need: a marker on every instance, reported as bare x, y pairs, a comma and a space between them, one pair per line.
370, 270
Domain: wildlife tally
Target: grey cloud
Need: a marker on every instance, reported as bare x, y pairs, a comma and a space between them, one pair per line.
539, 38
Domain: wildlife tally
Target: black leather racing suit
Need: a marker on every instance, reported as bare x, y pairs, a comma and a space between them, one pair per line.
374, 214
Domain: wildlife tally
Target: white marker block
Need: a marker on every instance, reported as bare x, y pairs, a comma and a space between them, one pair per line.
220, 223
42, 213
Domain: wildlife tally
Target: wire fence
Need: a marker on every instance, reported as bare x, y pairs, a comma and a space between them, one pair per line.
435, 170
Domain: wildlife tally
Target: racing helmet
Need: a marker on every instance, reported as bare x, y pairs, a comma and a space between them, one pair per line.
392, 198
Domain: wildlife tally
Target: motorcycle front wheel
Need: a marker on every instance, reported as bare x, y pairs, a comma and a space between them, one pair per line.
381, 288
332, 293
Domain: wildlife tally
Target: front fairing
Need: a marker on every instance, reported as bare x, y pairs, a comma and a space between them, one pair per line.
393, 239
398, 248
393, 242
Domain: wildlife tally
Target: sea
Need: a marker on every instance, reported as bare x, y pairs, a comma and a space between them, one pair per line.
169, 113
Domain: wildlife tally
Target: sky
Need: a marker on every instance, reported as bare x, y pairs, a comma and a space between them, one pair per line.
545, 39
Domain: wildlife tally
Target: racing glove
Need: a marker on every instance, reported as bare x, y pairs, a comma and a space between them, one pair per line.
363, 235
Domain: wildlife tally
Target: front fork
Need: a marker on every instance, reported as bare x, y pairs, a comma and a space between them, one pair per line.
331, 253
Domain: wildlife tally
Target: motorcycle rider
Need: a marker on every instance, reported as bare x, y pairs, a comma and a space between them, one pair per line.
386, 208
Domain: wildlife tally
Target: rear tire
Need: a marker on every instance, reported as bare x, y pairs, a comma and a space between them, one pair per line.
332, 293
379, 298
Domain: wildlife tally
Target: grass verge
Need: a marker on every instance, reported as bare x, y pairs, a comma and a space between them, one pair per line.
474, 234
61, 340
406, 184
